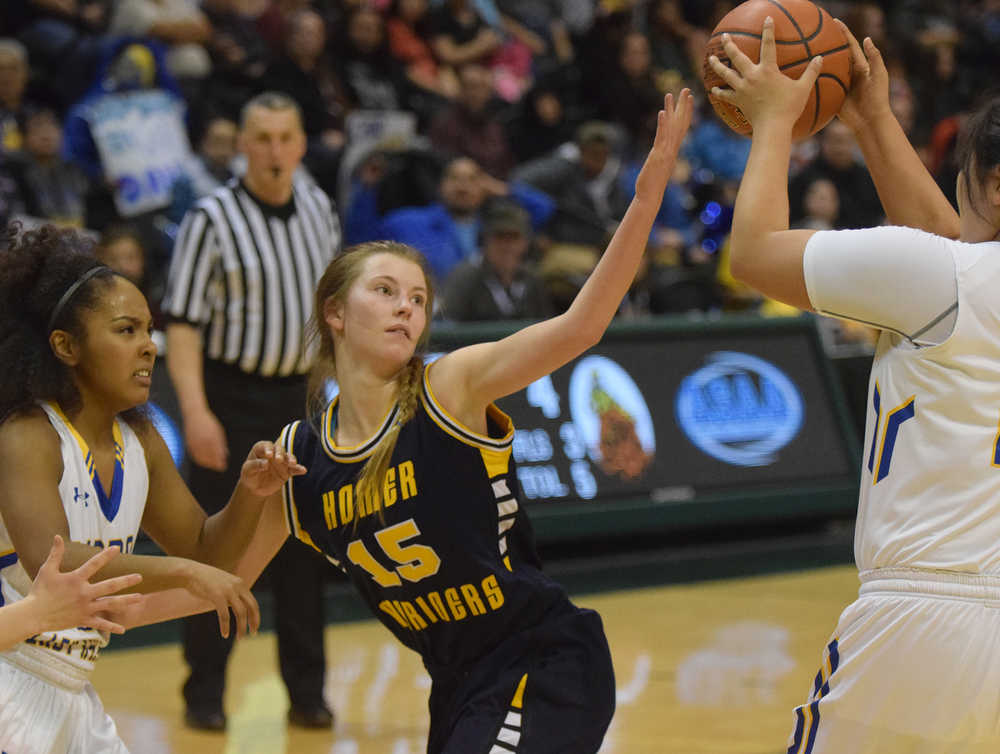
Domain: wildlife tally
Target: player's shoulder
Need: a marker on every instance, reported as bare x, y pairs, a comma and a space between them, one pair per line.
27, 434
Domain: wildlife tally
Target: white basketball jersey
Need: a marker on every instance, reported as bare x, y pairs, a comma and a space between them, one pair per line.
930, 477
94, 517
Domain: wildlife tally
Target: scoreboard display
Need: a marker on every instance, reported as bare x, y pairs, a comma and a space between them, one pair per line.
683, 423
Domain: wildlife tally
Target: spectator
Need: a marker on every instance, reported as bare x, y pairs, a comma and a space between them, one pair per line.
62, 38
211, 167
674, 43
715, 147
540, 122
51, 188
128, 134
371, 76
499, 284
469, 128
839, 162
304, 73
123, 248
585, 182
447, 231
628, 95
408, 31
13, 81
545, 19
821, 205
239, 57
459, 35
178, 24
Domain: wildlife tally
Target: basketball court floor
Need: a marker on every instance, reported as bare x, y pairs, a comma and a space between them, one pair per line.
704, 668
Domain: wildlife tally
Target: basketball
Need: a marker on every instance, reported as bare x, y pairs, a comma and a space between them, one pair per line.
802, 30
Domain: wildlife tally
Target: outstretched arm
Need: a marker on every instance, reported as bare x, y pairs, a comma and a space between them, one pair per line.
470, 378
908, 192
169, 604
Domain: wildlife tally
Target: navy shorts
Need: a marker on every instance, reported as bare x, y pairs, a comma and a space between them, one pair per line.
546, 690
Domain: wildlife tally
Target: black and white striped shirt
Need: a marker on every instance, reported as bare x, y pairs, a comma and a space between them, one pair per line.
245, 272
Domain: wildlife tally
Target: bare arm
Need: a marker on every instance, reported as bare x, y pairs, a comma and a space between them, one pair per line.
470, 378
764, 253
909, 194
204, 435
268, 538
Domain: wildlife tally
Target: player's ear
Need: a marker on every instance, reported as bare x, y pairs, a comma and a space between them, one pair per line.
333, 314
65, 347
992, 186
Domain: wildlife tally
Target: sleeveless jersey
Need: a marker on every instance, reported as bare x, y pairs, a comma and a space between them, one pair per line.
930, 479
95, 518
450, 567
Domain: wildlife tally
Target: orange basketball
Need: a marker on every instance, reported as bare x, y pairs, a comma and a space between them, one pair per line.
802, 30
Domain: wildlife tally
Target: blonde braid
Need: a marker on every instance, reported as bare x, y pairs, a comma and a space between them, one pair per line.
373, 475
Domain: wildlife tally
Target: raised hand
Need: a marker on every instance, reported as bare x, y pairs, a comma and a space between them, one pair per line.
672, 123
226, 592
68, 600
868, 98
760, 90
267, 468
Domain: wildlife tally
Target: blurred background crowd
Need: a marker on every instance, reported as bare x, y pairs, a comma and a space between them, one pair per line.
501, 137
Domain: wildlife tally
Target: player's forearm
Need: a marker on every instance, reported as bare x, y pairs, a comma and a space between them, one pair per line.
158, 572
185, 366
597, 302
762, 201
907, 190
227, 534
18, 621
160, 606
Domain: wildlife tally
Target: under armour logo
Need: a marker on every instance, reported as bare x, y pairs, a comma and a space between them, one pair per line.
78, 496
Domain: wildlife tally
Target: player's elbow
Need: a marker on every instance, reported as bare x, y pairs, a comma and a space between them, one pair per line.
741, 264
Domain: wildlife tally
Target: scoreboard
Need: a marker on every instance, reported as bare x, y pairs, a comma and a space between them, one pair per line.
681, 423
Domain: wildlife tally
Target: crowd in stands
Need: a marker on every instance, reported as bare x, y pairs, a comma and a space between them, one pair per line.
502, 138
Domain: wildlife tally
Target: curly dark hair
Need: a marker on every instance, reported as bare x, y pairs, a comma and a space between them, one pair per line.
36, 268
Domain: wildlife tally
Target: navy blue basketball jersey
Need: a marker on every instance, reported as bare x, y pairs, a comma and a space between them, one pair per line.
450, 566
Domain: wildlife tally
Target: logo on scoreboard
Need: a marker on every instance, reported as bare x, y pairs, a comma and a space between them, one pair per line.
611, 415
739, 409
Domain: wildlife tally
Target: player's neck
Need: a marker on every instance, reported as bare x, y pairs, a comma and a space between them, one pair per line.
95, 424
365, 400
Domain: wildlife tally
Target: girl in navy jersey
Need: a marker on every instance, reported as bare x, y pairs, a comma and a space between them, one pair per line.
411, 489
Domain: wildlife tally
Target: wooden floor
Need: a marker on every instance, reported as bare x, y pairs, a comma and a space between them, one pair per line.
702, 668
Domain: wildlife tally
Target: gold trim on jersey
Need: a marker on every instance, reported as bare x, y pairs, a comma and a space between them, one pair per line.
354, 453
459, 431
109, 499
287, 439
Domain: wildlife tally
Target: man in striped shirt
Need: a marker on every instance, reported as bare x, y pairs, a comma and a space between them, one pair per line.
239, 294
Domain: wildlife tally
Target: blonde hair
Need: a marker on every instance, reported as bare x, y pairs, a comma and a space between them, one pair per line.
334, 286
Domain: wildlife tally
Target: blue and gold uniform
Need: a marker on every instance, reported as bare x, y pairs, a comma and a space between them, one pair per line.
450, 567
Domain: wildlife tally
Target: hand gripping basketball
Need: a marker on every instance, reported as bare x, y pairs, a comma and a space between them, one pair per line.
801, 32
761, 91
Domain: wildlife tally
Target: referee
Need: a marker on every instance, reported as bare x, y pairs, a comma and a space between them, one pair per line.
239, 293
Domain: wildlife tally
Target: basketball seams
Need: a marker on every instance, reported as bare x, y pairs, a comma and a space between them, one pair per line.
790, 22
791, 18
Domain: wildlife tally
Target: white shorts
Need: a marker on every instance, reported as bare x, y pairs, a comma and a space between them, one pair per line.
39, 716
914, 667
